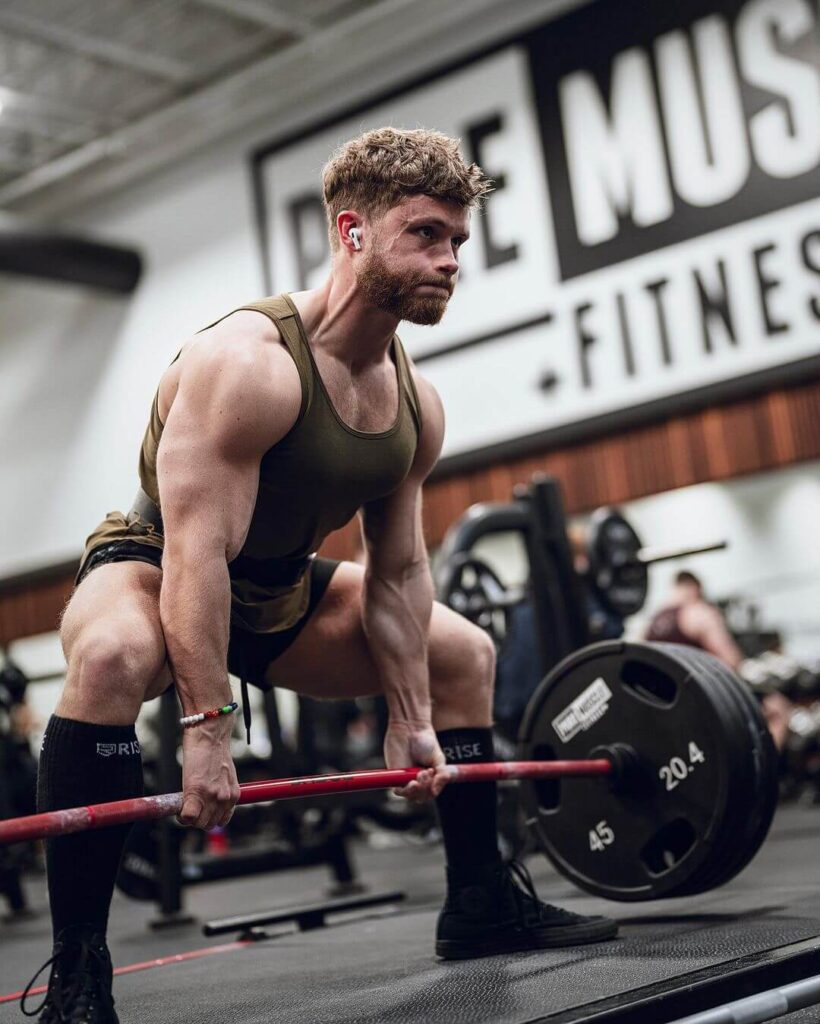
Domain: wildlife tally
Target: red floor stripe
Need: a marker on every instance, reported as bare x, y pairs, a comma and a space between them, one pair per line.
146, 965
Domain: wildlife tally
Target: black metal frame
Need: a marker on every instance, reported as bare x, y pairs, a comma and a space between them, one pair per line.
537, 513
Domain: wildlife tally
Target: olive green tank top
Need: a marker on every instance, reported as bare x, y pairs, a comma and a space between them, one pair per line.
311, 482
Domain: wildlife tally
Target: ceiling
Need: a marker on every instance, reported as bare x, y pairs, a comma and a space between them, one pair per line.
75, 71
95, 92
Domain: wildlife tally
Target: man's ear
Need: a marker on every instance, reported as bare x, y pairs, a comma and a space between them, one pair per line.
349, 226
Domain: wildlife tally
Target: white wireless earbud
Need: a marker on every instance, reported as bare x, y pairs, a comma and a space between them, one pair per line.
355, 239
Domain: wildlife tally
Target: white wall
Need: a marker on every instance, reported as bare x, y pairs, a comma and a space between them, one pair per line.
78, 370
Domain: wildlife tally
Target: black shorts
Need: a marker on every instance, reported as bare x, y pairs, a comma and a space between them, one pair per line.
249, 654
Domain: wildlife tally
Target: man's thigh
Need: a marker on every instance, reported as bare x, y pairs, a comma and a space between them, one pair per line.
331, 657
120, 601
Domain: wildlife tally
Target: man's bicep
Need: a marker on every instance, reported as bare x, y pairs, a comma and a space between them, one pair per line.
223, 418
206, 493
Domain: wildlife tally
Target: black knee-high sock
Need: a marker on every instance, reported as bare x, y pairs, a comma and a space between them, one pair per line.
83, 763
468, 813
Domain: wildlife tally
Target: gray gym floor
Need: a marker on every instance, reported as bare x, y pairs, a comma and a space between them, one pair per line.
381, 968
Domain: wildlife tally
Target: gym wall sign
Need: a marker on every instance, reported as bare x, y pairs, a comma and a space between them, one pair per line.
653, 242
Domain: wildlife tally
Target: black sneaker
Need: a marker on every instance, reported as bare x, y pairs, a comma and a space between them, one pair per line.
79, 986
499, 912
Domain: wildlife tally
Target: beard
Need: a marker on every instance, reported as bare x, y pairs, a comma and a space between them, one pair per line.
396, 293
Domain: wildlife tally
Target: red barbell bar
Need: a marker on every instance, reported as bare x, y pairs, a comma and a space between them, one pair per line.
120, 812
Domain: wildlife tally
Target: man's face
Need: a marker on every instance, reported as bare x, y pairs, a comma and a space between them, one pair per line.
410, 263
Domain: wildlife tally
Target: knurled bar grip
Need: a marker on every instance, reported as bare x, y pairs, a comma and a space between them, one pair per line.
120, 812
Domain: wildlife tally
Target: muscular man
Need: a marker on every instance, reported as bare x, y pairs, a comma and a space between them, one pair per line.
271, 428
688, 618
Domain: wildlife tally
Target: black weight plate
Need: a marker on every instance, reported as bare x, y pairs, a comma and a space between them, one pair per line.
637, 842
742, 750
619, 577
738, 749
760, 802
769, 770
743, 797
760, 799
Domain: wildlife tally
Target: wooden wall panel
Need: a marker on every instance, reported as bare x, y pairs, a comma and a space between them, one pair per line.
760, 433
36, 608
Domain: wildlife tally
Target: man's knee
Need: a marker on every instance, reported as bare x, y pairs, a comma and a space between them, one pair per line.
470, 674
104, 658
484, 658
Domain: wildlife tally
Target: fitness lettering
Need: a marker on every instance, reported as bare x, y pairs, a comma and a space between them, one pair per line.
697, 311
695, 116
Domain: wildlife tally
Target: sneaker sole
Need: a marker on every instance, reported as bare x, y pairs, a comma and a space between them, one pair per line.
517, 942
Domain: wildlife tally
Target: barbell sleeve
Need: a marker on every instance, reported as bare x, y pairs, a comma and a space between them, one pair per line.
121, 812
651, 556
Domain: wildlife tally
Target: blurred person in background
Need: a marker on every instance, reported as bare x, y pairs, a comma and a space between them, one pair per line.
688, 618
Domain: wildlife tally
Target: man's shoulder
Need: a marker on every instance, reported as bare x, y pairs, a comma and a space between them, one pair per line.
251, 325
432, 408
246, 339
428, 396
242, 355
431, 437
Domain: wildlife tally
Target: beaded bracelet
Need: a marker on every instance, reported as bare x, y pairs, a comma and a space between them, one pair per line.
190, 720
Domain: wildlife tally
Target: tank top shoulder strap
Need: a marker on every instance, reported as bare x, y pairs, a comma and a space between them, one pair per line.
408, 384
283, 314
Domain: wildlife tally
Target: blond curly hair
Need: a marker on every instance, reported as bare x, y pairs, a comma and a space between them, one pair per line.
375, 171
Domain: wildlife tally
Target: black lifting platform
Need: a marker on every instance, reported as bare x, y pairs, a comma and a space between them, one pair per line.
382, 971
756, 939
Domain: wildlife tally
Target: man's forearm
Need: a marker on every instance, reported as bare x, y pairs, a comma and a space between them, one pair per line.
396, 613
195, 603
